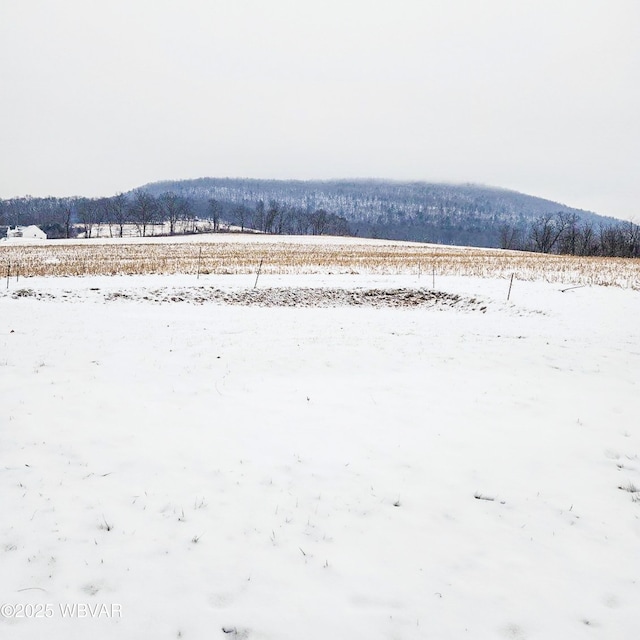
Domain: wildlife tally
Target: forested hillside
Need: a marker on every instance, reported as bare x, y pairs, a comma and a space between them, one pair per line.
467, 214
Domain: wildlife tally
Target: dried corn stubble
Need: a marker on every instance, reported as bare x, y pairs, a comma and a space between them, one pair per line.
219, 257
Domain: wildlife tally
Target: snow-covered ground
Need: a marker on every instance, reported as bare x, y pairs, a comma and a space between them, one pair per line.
231, 238
202, 470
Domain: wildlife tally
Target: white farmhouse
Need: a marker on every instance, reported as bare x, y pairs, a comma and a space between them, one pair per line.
31, 231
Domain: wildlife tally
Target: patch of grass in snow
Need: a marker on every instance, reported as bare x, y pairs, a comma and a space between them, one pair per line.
630, 487
199, 504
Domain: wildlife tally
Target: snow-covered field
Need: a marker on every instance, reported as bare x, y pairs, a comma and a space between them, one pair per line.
204, 470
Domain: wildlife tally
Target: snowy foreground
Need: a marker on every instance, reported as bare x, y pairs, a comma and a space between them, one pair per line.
191, 469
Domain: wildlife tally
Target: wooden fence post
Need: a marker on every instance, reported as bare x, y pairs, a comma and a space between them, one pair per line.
510, 283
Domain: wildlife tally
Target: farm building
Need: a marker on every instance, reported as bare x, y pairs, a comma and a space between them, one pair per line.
27, 232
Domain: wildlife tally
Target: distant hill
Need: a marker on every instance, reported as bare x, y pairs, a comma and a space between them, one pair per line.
466, 214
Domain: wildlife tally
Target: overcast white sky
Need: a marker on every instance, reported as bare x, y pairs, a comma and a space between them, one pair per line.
100, 96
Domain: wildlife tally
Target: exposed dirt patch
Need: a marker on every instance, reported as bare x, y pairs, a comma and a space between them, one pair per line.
268, 297
312, 297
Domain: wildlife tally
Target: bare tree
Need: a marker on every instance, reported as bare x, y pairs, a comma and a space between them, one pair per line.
568, 240
241, 215
586, 240
259, 216
283, 221
117, 211
510, 236
546, 230
319, 221
144, 210
273, 212
301, 223
215, 211
611, 240
88, 215
103, 213
631, 232
174, 209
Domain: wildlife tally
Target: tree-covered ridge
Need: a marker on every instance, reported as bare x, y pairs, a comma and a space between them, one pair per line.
367, 200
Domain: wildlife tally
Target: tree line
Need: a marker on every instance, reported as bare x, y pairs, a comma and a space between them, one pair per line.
70, 217
566, 233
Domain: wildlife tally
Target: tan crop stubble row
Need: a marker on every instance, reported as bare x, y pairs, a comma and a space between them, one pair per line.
87, 258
